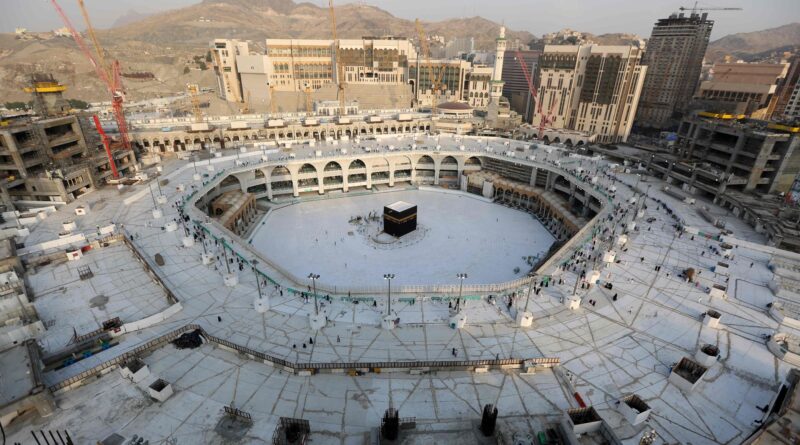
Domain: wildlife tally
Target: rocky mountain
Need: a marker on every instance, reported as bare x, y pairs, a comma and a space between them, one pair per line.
172, 44
751, 45
260, 19
129, 17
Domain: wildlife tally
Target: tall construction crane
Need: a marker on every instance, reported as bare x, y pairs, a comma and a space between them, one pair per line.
272, 107
110, 75
426, 52
307, 92
194, 92
93, 36
340, 82
695, 8
545, 120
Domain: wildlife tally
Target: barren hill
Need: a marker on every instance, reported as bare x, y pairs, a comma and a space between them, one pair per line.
165, 43
750, 44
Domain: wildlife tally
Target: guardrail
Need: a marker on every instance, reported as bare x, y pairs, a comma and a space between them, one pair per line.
304, 367
76, 380
152, 271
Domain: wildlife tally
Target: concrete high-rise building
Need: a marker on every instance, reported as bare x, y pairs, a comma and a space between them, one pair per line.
516, 88
674, 57
591, 88
224, 53
742, 88
50, 160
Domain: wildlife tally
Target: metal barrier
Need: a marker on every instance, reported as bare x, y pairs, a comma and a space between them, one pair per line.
171, 297
296, 367
156, 342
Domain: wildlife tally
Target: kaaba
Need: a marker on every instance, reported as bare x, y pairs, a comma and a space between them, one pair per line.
399, 218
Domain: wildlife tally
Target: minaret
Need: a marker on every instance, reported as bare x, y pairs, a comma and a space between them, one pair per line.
496, 90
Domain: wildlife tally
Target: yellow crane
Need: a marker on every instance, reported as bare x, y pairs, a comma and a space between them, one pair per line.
340, 82
432, 78
272, 107
246, 108
194, 91
307, 91
98, 49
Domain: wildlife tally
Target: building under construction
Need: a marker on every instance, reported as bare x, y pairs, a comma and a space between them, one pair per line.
48, 156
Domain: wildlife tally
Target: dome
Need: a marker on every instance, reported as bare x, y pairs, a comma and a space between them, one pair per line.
454, 106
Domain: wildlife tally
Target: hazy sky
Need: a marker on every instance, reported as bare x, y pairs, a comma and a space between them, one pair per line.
535, 16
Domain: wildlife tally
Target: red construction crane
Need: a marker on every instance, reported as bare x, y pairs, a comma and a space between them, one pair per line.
537, 106
107, 145
109, 75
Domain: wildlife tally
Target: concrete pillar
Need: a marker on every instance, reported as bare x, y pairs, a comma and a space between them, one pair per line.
320, 182
295, 190
391, 176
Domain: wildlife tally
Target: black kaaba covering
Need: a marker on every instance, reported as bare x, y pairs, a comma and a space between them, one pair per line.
399, 218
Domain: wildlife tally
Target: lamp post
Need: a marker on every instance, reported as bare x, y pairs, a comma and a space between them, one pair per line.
532, 275
389, 277
258, 280
461, 277
314, 277
153, 196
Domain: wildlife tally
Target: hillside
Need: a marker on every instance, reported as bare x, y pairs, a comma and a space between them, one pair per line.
261, 19
752, 44
165, 43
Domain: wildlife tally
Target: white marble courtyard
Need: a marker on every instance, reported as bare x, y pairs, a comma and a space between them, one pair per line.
458, 233
614, 347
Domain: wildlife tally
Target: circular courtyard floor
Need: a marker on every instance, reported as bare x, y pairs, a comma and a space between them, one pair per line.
457, 233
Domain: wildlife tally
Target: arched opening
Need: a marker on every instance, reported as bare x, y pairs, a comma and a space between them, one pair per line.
402, 169
332, 166
308, 177
426, 170
473, 161
229, 181
332, 174
259, 174
281, 180
380, 170
448, 170
308, 168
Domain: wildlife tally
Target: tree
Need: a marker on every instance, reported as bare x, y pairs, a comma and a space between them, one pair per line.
208, 56
202, 66
16, 106
186, 70
78, 104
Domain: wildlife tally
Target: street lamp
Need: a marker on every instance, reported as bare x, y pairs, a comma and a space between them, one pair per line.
532, 276
258, 280
461, 277
389, 277
314, 277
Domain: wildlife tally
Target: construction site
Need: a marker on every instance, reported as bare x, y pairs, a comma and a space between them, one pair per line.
351, 241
